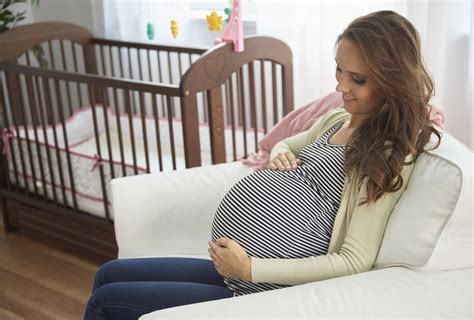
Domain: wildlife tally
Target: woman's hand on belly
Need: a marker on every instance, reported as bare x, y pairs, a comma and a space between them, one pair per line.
230, 259
284, 161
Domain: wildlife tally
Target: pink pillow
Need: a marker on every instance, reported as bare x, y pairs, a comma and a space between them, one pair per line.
302, 119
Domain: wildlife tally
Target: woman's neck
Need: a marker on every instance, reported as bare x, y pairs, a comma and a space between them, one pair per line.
356, 121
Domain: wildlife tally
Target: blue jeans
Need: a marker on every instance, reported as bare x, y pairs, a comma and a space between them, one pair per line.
129, 288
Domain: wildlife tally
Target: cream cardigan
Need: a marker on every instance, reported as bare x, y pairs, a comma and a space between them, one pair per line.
357, 232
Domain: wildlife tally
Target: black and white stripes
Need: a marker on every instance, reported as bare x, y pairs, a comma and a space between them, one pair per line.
284, 215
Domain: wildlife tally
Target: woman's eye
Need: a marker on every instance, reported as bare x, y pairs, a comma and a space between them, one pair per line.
355, 79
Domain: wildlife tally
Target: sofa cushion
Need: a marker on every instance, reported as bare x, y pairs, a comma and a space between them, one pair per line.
431, 225
170, 212
392, 293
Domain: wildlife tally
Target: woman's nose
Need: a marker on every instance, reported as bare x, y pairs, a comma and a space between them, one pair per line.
342, 85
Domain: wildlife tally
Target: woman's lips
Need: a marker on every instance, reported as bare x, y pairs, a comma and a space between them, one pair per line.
348, 99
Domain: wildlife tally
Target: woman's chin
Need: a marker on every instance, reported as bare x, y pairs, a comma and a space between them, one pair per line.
349, 104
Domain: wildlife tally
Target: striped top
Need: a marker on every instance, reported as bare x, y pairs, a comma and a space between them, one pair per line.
284, 214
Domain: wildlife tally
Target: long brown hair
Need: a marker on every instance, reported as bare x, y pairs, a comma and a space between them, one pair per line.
400, 126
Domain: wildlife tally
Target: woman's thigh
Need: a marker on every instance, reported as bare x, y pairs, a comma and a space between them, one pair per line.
169, 269
130, 300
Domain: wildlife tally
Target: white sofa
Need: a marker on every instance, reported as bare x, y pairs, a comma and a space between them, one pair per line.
424, 268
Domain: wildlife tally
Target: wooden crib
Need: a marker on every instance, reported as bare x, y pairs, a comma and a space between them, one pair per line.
78, 111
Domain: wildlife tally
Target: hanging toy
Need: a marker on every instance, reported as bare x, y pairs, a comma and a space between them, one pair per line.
214, 21
227, 11
234, 31
150, 31
174, 28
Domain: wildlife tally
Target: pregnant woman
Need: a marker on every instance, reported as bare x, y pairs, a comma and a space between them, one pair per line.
320, 209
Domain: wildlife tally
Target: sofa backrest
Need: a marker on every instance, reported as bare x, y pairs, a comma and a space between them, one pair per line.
431, 227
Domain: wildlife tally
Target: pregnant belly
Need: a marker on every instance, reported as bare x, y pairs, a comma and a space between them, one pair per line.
271, 218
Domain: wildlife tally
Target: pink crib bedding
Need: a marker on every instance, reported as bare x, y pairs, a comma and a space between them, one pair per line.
82, 147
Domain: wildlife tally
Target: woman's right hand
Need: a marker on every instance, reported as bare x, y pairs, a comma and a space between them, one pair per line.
284, 161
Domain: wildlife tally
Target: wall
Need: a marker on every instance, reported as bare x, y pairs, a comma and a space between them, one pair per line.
80, 12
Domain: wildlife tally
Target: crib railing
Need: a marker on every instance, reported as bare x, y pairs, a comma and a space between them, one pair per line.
154, 63
255, 95
248, 91
35, 114
113, 58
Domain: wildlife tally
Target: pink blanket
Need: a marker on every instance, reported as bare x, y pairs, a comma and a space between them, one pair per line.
302, 119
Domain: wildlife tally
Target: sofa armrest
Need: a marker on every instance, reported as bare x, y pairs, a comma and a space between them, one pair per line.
170, 213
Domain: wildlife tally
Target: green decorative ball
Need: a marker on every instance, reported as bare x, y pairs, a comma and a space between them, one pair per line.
150, 31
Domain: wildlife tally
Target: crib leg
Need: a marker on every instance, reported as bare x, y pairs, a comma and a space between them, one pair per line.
6, 224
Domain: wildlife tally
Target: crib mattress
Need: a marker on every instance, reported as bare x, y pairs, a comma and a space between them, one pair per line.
51, 145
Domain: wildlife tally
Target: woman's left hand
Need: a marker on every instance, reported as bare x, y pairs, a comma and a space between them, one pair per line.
230, 259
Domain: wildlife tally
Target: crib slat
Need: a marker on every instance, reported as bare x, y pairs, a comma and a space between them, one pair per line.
227, 104
90, 59
171, 131
241, 90
172, 114
111, 60
157, 131
216, 125
93, 100
205, 107
68, 90
51, 55
121, 63
149, 65
131, 77
128, 110
15, 119
264, 95
22, 110
66, 146
32, 105
160, 75
45, 123
107, 130
67, 84
179, 64
12, 81
37, 119
28, 59
274, 92
192, 144
119, 128
76, 69
163, 111
5, 164
190, 59
63, 56
170, 73
49, 102
253, 103
145, 138
102, 60
30, 155
140, 71
230, 102
130, 63
287, 89
133, 103
16, 182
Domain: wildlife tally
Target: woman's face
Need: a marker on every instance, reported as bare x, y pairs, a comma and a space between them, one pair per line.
352, 74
